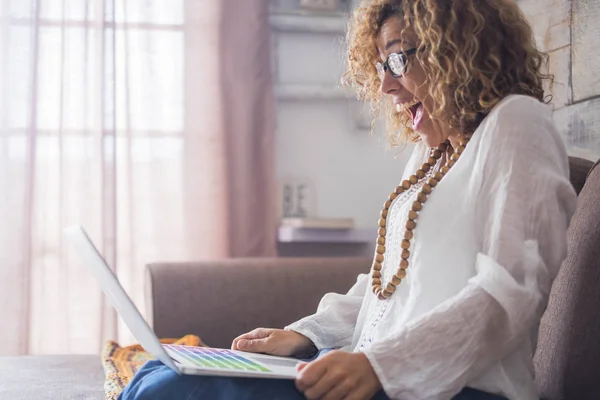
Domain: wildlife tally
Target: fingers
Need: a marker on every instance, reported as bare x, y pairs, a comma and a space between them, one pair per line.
341, 391
246, 337
254, 345
329, 387
300, 366
337, 376
311, 373
256, 341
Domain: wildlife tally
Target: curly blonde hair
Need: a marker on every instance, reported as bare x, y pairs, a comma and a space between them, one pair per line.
474, 53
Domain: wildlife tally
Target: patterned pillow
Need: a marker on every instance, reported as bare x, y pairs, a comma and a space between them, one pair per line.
121, 363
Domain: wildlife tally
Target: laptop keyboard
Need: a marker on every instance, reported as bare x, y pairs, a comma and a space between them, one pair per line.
216, 358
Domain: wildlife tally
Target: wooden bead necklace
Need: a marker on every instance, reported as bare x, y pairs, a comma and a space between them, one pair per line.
417, 205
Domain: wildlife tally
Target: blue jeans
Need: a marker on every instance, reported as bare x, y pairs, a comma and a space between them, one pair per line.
155, 381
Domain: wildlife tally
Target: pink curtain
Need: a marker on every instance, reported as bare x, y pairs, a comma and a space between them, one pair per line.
247, 92
148, 122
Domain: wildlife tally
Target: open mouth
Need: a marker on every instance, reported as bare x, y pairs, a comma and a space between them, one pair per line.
414, 109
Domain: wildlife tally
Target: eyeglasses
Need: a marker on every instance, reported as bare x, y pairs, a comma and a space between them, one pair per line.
396, 63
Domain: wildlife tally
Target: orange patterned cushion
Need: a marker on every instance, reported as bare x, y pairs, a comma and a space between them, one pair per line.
121, 363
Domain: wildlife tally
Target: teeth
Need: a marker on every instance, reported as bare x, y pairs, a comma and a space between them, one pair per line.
406, 106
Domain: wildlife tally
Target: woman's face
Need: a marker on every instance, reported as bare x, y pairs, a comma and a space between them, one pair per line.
409, 92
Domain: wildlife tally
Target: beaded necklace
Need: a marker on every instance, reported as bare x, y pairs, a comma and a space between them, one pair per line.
411, 224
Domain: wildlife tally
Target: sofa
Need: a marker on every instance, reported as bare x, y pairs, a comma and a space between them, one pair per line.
219, 300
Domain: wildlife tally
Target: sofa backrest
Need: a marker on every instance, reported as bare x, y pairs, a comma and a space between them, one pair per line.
567, 360
220, 300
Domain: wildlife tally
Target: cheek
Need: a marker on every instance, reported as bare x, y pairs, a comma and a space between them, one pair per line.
419, 81
410, 83
415, 83
422, 88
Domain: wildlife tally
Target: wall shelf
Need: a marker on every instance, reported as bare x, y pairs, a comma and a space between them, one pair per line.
303, 92
302, 21
304, 235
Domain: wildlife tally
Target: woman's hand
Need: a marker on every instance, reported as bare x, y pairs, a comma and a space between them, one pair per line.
338, 375
277, 342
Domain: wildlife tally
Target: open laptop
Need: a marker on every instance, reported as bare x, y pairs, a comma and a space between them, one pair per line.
187, 360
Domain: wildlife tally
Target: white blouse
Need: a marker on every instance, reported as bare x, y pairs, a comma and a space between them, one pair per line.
489, 242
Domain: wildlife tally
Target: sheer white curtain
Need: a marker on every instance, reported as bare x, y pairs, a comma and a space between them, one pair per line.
111, 115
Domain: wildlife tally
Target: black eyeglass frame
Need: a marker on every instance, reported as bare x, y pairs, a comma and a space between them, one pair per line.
403, 55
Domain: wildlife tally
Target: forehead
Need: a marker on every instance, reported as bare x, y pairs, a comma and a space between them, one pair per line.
393, 35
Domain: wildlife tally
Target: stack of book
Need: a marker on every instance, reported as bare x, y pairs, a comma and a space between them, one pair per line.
318, 223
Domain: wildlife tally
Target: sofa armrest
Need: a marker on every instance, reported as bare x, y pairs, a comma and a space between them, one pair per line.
219, 300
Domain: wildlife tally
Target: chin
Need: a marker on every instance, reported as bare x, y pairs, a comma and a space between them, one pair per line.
427, 133
430, 140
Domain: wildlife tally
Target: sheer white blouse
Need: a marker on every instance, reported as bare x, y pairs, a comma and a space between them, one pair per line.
488, 244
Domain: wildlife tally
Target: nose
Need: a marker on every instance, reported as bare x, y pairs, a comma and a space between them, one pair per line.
389, 84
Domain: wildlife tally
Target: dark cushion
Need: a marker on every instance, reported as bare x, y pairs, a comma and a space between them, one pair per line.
579, 169
568, 356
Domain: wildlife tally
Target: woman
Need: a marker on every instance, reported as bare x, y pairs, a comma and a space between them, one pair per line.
469, 242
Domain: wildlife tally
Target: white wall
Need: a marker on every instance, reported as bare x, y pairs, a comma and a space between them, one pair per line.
351, 170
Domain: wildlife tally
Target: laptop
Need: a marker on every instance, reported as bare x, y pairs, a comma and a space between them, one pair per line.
186, 360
